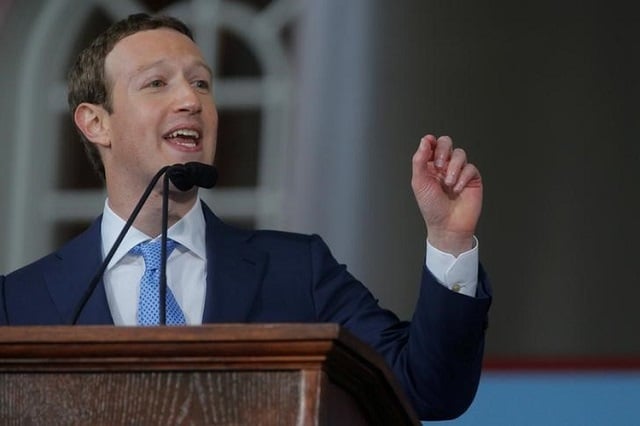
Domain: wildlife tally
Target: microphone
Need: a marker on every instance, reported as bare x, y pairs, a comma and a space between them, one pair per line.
184, 177
187, 176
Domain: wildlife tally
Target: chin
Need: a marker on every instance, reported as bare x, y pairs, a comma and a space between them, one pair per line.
182, 159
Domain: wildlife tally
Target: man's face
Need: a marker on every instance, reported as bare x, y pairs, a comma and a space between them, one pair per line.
162, 106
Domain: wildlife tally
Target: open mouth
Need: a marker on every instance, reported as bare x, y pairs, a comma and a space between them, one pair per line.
185, 138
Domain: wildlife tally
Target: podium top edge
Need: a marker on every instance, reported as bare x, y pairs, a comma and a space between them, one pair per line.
232, 332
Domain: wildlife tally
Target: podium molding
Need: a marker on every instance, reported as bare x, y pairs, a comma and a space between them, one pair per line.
227, 374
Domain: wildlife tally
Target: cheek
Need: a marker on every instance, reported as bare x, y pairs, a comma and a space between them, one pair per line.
135, 123
212, 119
130, 136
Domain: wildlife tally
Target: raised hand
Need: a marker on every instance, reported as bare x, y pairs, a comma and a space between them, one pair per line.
448, 190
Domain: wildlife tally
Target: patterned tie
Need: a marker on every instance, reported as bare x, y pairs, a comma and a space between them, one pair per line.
148, 312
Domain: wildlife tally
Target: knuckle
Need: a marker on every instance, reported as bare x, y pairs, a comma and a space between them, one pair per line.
460, 152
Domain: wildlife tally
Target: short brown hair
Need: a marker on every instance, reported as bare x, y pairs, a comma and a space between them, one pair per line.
87, 80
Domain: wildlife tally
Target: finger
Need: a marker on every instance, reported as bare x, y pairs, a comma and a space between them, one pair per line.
456, 164
443, 151
424, 152
428, 144
420, 161
470, 175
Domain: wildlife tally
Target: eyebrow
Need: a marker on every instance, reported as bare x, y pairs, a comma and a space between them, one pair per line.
159, 62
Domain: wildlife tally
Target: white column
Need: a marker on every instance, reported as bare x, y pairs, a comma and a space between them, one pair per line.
350, 180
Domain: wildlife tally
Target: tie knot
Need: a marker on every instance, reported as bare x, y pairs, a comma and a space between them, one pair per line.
151, 251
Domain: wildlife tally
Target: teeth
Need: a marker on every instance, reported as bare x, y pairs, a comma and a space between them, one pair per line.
187, 133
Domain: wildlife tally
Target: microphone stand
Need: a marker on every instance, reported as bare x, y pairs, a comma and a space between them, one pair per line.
184, 177
163, 252
96, 278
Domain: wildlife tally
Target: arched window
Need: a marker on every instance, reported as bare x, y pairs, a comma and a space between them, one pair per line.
248, 44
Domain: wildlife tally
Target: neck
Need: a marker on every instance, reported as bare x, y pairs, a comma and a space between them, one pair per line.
149, 219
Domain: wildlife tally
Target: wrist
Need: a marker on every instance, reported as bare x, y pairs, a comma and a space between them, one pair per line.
454, 243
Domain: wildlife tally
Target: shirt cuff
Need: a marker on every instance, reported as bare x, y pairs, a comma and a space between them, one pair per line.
459, 274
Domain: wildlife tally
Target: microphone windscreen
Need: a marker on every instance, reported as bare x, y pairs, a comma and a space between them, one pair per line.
186, 176
204, 175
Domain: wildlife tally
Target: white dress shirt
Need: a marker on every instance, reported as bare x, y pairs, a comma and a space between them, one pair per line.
187, 266
459, 274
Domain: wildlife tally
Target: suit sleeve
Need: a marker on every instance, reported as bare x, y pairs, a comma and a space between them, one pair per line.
437, 356
3, 307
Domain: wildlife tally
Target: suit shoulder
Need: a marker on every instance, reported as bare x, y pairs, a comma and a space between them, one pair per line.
283, 236
293, 240
82, 244
35, 267
232, 232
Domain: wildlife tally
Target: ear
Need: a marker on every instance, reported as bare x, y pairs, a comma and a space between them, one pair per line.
93, 122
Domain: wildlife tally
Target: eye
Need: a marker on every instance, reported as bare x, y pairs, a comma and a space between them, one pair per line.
156, 84
202, 84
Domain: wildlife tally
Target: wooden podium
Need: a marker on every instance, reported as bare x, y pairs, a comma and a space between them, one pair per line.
231, 374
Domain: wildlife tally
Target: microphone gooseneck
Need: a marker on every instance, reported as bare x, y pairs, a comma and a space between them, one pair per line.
96, 278
184, 177
162, 293
187, 176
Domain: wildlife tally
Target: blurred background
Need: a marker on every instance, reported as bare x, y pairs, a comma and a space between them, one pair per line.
322, 104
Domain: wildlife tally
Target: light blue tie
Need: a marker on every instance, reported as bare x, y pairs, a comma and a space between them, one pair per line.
148, 310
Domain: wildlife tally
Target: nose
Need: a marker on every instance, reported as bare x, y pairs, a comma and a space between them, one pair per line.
187, 98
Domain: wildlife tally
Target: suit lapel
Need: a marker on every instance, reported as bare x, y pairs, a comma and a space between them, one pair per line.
234, 272
69, 278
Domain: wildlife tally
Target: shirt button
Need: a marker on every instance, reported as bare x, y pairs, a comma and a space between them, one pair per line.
456, 287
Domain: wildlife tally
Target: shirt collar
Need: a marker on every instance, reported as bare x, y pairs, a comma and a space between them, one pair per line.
189, 232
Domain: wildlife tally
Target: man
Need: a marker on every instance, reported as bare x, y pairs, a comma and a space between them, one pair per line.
140, 96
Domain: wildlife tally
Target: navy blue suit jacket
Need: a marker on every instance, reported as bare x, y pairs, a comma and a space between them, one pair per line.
270, 276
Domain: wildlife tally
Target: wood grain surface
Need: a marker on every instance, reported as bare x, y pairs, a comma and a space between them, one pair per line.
226, 374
